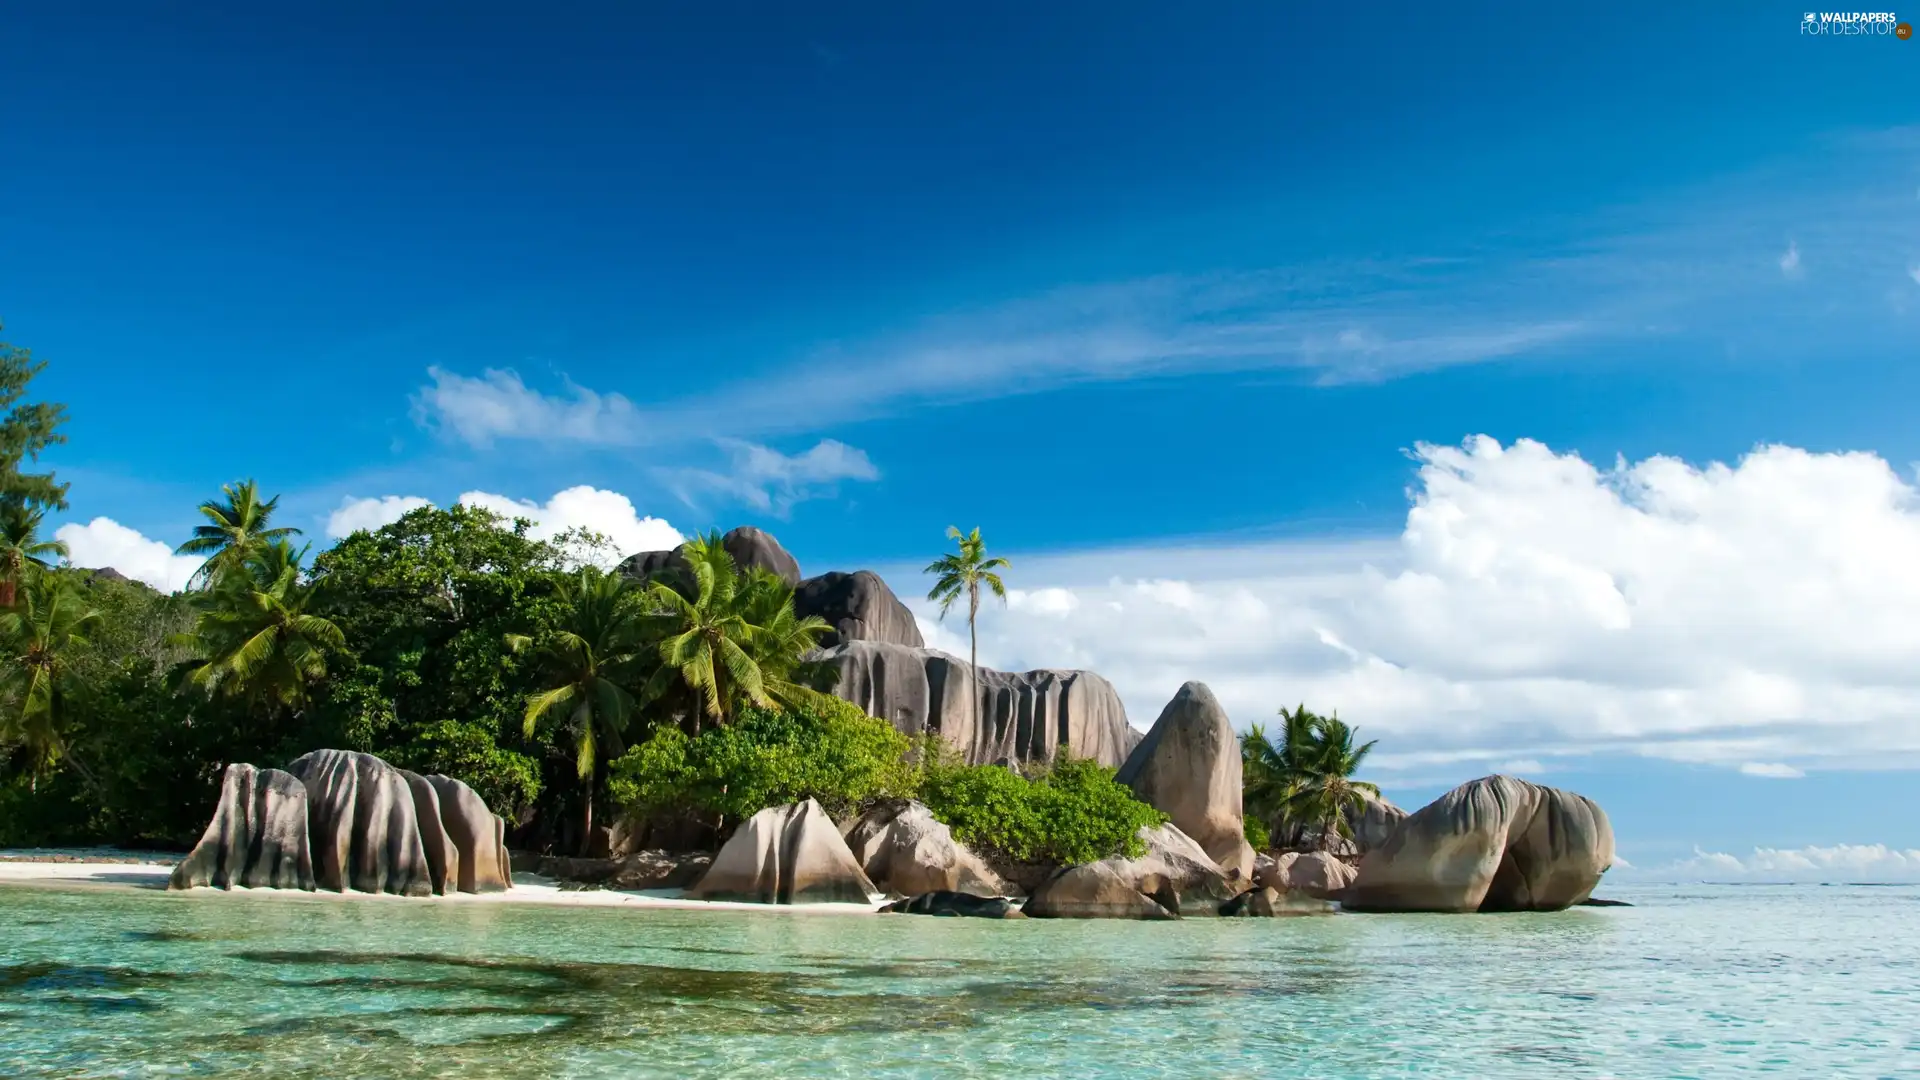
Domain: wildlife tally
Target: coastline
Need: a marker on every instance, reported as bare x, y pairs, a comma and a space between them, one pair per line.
136, 871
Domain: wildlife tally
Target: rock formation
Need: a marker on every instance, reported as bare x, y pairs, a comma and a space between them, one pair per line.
859, 606
750, 548
1188, 767
1174, 874
1373, 824
786, 855
640, 870
902, 848
1269, 902
479, 838
257, 838
955, 904
1493, 844
1027, 716
363, 823
341, 820
1315, 873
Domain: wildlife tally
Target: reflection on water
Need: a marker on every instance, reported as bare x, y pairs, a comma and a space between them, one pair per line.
1701, 982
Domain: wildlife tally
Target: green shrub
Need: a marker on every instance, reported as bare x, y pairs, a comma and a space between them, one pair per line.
828, 751
1074, 812
1256, 833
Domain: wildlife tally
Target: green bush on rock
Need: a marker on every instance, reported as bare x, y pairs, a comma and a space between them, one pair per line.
1072, 812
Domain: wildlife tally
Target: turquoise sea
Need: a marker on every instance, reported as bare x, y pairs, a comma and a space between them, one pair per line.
1694, 981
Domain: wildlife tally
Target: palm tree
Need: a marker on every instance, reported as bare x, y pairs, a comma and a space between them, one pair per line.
1305, 784
21, 546
254, 638
51, 617
962, 574
591, 658
731, 639
235, 530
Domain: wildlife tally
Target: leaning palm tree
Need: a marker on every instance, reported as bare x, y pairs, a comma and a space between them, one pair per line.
50, 618
962, 574
235, 531
254, 638
21, 545
590, 661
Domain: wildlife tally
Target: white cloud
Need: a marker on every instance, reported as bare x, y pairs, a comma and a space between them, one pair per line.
772, 482
1790, 261
1534, 607
356, 514
1771, 770
1860, 863
1522, 767
104, 542
498, 405
606, 512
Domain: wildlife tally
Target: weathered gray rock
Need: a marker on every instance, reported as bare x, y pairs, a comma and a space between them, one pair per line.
786, 855
257, 838
859, 606
1267, 902
1026, 716
904, 849
478, 836
638, 871
1174, 874
750, 548
1374, 824
1188, 767
363, 826
443, 858
965, 905
1493, 844
1314, 873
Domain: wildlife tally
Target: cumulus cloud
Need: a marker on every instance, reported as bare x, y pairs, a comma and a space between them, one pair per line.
772, 482
354, 515
608, 513
496, 404
104, 542
1535, 607
1861, 863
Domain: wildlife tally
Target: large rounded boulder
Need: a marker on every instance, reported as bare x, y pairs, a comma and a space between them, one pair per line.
786, 855
903, 848
1188, 767
1172, 878
478, 836
257, 838
750, 548
1493, 844
859, 606
364, 825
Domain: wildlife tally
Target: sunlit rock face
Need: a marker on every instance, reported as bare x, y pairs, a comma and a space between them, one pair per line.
1019, 716
342, 820
1493, 844
786, 855
1188, 767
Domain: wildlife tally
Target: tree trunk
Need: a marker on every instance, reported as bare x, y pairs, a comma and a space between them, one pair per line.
6, 593
973, 650
586, 830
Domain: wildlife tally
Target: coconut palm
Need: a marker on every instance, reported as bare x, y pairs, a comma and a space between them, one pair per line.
36, 633
590, 660
730, 639
1305, 784
254, 638
21, 545
961, 574
236, 529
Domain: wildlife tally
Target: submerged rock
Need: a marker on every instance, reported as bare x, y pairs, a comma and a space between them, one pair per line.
903, 848
1188, 767
363, 825
1024, 716
257, 838
956, 904
1268, 902
1493, 844
786, 855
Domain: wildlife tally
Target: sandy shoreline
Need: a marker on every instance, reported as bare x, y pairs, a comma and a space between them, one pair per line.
139, 871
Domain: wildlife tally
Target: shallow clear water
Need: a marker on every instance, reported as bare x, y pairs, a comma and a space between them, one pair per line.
1695, 982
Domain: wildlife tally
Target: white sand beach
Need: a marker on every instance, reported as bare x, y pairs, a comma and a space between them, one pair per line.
140, 871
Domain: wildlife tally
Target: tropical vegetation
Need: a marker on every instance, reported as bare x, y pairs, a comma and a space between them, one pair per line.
1300, 789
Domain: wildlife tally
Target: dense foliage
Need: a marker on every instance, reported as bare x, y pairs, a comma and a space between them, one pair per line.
1301, 789
1072, 812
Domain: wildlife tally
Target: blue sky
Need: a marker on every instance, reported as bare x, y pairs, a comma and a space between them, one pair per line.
1156, 286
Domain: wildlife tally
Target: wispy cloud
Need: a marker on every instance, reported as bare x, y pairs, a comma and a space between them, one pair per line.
1771, 770
1790, 261
770, 481
498, 405
1848, 863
